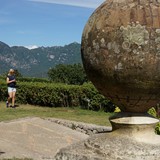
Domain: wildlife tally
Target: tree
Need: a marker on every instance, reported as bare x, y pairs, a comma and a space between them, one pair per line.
17, 73
69, 74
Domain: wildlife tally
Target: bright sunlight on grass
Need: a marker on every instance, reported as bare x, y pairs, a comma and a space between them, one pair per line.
75, 114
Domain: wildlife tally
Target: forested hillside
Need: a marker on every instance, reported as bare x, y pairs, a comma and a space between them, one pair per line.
37, 62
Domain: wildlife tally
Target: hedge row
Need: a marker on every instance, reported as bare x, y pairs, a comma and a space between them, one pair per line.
59, 95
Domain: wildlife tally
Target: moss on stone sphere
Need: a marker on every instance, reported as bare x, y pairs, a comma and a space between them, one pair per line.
121, 52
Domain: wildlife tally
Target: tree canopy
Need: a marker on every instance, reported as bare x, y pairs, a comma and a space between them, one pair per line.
69, 74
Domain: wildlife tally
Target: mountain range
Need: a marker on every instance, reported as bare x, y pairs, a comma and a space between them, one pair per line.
36, 62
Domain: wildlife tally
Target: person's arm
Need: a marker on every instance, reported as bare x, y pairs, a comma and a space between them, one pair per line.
10, 81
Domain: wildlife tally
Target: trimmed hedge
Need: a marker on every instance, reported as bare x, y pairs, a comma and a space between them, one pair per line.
58, 95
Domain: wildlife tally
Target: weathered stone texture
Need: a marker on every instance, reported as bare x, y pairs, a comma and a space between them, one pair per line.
121, 52
110, 146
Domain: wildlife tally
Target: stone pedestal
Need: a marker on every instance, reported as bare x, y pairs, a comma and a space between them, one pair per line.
132, 138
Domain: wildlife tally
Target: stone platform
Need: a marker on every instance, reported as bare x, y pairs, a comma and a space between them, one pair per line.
35, 138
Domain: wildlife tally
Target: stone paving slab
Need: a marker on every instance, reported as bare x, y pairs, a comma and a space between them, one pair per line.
35, 138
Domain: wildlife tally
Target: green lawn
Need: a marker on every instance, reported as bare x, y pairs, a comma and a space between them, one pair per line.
75, 114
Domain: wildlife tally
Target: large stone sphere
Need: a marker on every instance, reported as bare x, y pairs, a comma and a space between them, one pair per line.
121, 52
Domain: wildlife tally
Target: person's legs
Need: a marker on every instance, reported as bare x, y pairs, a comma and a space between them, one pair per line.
9, 99
13, 99
11, 93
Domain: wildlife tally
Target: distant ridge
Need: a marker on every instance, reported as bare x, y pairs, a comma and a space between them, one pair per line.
36, 62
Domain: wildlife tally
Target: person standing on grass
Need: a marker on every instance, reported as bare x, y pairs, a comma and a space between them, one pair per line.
11, 83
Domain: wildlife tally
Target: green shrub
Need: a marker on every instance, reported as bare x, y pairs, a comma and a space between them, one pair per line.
157, 129
57, 95
154, 113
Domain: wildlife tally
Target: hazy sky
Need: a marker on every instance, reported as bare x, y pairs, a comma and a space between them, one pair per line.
44, 22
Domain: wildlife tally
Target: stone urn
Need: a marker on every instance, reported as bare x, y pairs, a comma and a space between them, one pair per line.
121, 52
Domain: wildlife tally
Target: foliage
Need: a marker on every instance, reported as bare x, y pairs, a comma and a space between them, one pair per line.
68, 74
157, 129
29, 79
58, 95
17, 73
117, 109
154, 112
